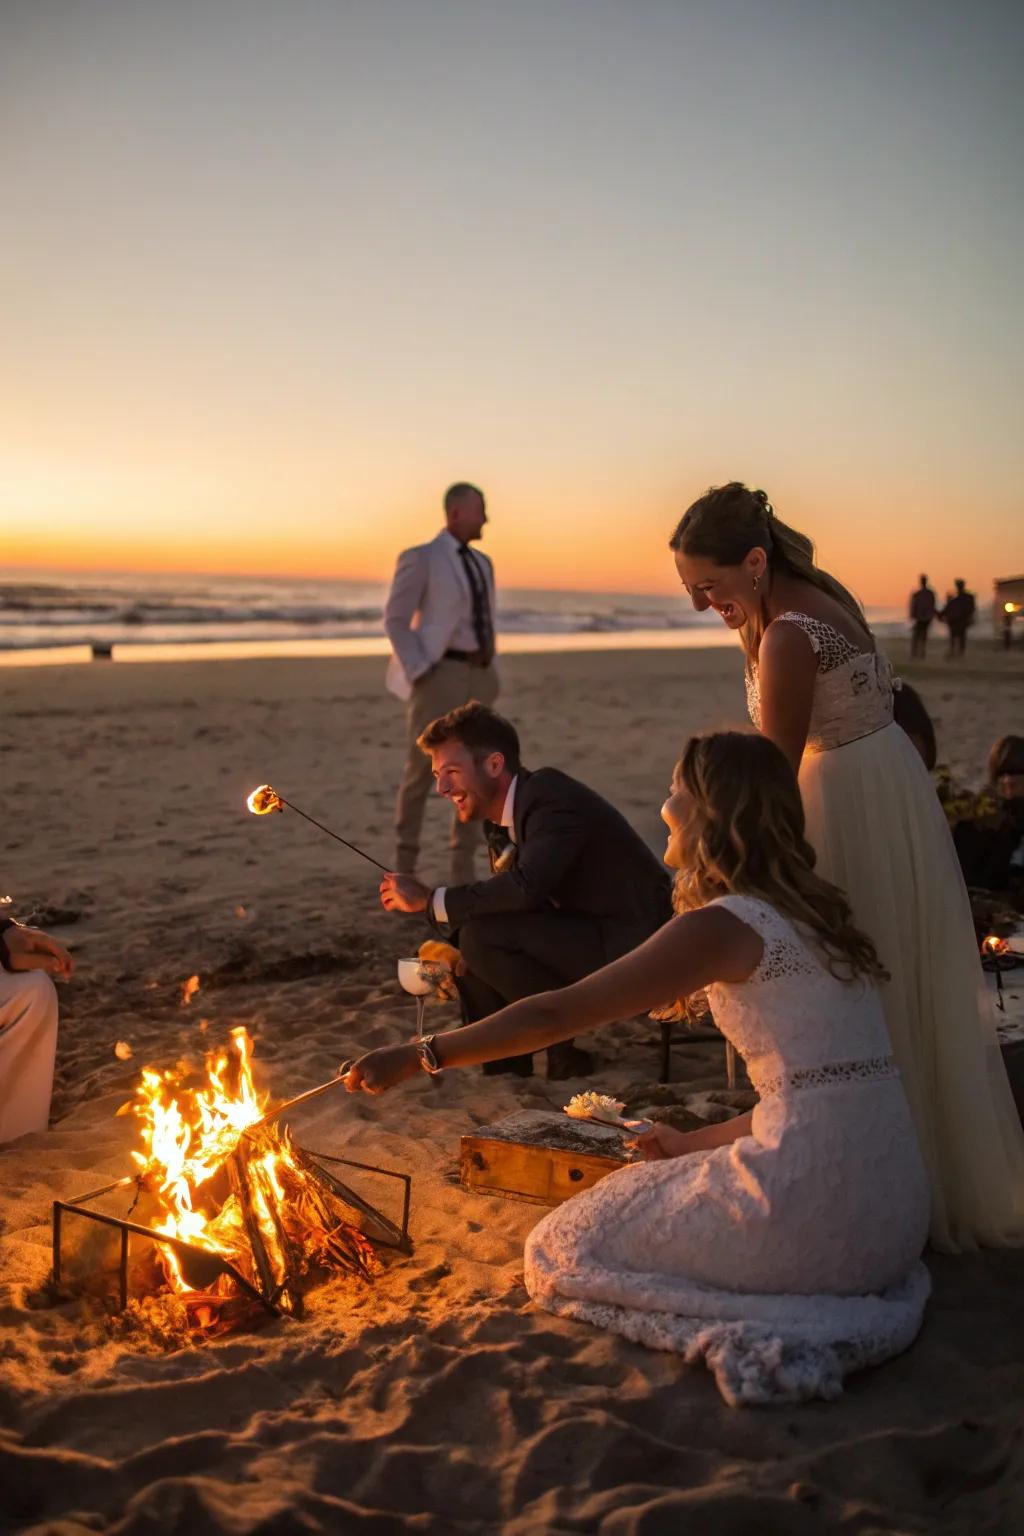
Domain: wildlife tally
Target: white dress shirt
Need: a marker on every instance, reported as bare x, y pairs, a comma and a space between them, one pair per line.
508, 822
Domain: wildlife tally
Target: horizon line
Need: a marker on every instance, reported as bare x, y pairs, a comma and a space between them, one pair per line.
18, 568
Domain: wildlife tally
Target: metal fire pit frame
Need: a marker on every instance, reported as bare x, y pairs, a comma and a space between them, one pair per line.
395, 1236
121, 1224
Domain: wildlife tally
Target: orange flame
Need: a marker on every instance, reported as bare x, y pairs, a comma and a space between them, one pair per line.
188, 1136
264, 799
189, 989
186, 1139
992, 944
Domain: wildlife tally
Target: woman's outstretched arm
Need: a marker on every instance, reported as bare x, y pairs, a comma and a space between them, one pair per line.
685, 955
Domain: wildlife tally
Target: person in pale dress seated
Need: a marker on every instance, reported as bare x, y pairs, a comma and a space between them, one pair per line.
28, 1025
818, 686
782, 1247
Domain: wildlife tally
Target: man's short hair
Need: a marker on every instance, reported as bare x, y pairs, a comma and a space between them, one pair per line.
479, 729
456, 492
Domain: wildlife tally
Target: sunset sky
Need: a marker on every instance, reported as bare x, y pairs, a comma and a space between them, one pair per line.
273, 274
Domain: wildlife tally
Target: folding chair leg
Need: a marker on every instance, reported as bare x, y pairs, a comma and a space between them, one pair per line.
730, 1064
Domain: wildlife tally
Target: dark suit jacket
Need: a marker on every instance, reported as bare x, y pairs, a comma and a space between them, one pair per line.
576, 852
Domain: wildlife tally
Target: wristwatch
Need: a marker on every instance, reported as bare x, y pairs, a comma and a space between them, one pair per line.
425, 1052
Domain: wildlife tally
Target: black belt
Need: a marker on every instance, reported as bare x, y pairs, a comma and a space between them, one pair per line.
471, 658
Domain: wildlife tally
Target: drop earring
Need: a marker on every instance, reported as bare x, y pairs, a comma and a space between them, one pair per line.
755, 583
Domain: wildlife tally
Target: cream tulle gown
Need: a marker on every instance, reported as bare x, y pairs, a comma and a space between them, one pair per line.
880, 834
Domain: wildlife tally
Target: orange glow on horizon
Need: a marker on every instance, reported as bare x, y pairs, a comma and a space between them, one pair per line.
599, 570
556, 536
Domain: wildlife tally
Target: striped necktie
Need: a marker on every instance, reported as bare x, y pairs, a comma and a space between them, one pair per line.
482, 623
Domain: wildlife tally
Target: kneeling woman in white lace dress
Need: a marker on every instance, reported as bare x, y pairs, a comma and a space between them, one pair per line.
782, 1247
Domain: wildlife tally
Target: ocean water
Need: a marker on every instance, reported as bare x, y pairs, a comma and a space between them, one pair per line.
137, 612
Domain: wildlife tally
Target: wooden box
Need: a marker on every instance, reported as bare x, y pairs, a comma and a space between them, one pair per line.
539, 1156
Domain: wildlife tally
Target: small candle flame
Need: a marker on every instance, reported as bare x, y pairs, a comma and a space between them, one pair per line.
263, 799
994, 945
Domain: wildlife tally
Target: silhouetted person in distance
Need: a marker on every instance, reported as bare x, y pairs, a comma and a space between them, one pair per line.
922, 612
958, 615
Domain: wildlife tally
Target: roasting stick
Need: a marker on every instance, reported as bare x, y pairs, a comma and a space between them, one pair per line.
265, 799
300, 1098
627, 1127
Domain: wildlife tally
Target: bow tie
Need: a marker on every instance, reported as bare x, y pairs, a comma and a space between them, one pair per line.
499, 845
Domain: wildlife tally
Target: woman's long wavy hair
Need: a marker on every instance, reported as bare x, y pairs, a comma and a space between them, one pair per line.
728, 521
746, 837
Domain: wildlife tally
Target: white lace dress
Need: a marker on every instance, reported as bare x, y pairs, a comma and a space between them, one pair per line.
880, 834
792, 1255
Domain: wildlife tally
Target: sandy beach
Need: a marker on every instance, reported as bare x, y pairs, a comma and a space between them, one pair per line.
438, 1399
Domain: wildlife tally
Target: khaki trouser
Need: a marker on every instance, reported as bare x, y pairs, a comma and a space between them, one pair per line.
446, 686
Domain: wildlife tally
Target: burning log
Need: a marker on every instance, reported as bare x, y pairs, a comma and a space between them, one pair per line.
238, 1174
210, 1313
335, 1241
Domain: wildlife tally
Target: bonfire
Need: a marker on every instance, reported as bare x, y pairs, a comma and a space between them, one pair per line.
243, 1220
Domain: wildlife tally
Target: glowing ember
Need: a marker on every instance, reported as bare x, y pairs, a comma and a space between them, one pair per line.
264, 799
123, 1051
248, 1199
189, 989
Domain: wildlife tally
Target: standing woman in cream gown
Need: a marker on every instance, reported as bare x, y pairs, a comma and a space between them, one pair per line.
818, 686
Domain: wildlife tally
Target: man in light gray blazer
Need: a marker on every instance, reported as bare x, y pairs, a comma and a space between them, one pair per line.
439, 617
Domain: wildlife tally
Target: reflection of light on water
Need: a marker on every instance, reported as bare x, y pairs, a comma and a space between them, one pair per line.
377, 645
46, 656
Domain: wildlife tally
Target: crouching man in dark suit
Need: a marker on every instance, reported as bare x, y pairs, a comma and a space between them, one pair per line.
572, 885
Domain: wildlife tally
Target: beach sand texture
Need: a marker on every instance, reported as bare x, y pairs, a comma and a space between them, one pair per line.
438, 1400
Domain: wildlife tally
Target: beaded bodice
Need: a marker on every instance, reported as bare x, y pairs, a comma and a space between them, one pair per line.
852, 691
